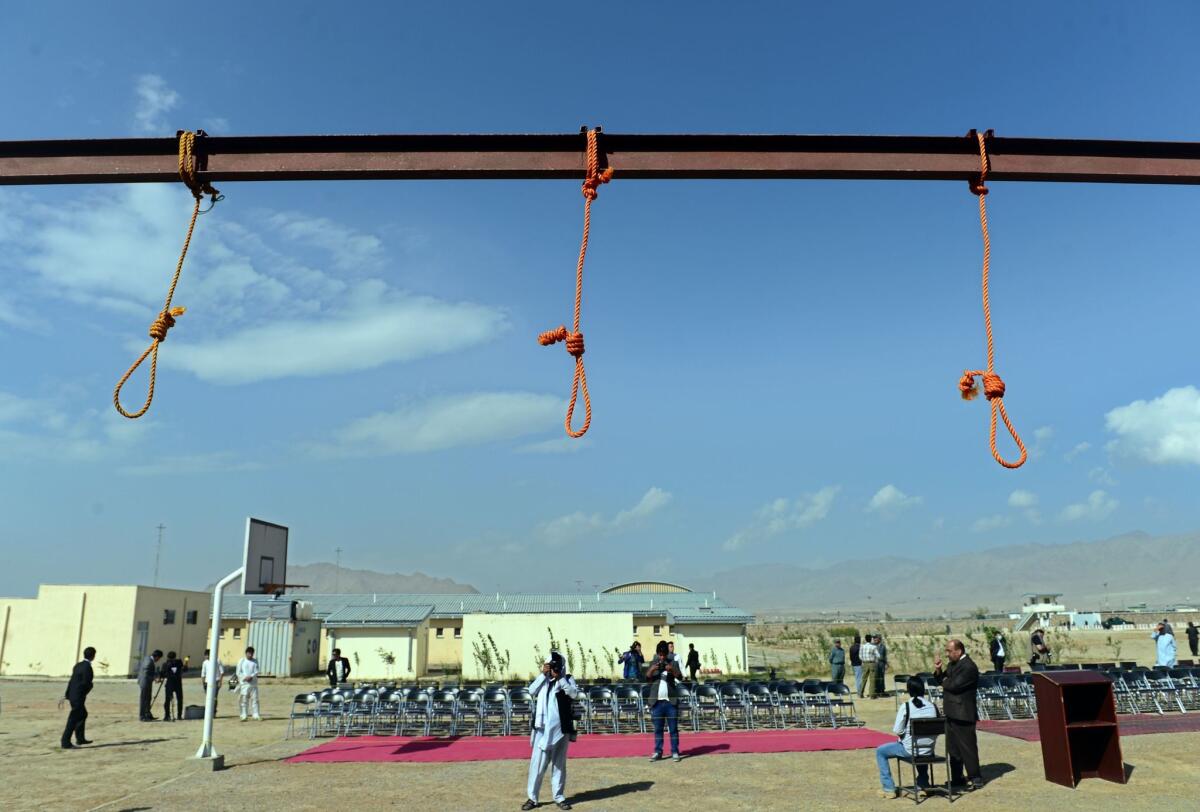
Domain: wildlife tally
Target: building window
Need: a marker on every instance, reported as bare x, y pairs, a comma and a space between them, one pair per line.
168, 617
237, 634
191, 617
440, 633
458, 632
658, 631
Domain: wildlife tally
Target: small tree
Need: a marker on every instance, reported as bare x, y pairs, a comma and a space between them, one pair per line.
389, 659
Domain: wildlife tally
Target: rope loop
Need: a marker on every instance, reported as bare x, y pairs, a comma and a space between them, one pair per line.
993, 385
573, 338
162, 324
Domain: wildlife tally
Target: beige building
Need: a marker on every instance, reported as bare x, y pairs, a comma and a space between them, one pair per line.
46, 635
506, 632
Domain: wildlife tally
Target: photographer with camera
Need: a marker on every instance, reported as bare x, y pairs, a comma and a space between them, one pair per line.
665, 671
553, 729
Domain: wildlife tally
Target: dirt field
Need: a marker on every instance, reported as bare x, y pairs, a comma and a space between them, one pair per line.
143, 766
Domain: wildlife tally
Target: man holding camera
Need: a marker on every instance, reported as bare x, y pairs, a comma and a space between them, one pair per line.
553, 729
664, 671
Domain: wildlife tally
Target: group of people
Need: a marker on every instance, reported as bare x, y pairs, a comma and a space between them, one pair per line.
958, 679
633, 663
168, 673
553, 723
868, 660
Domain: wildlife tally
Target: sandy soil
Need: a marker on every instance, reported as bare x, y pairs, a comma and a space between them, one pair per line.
144, 766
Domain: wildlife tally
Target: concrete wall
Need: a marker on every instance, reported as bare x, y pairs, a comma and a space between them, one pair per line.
721, 645
445, 651
600, 633
408, 645
46, 635
233, 641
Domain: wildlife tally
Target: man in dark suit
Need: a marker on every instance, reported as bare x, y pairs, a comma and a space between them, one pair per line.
171, 674
79, 686
959, 680
338, 670
147, 674
997, 651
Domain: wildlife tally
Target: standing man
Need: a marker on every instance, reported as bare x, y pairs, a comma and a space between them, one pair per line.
171, 674
1038, 650
247, 674
693, 660
1168, 627
1165, 644
959, 681
1192, 634
553, 728
837, 662
338, 670
211, 670
674, 657
867, 654
147, 674
78, 687
856, 663
997, 651
664, 671
880, 665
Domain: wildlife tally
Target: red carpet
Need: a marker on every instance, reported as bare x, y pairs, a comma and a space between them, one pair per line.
1129, 725
485, 748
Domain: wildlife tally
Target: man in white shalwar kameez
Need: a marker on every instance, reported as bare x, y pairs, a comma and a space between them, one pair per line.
548, 740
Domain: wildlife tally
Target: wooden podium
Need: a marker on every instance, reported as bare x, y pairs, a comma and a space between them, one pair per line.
1077, 720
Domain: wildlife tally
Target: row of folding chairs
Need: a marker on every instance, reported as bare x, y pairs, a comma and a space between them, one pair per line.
1156, 690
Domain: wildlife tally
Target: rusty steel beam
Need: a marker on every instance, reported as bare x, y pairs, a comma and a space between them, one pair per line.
532, 157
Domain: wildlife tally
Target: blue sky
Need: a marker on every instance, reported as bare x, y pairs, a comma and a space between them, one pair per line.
773, 364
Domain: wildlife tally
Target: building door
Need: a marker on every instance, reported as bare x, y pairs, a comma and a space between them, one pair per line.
141, 644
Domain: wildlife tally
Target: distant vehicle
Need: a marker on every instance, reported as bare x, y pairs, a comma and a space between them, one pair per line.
1116, 621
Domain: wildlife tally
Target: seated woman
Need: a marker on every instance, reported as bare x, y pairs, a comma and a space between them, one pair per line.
915, 708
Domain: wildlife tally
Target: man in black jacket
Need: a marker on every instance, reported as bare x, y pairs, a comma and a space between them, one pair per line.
79, 686
171, 674
997, 651
338, 669
959, 681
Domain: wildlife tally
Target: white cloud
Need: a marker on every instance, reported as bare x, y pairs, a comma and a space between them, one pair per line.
257, 311
1042, 436
216, 125
652, 501
41, 429
1162, 431
365, 334
1099, 505
1076, 451
557, 445
889, 499
578, 525
1022, 499
989, 523
154, 98
219, 461
446, 422
783, 515
1101, 476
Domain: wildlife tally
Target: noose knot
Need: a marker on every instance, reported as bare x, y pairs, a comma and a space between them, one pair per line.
165, 321
993, 385
574, 341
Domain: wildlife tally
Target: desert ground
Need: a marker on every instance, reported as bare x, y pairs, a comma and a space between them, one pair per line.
147, 766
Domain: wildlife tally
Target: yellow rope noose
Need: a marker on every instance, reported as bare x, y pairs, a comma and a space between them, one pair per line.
166, 319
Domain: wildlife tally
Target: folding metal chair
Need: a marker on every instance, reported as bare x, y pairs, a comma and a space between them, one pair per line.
925, 733
308, 704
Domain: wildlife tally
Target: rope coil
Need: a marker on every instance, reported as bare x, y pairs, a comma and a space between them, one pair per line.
993, 385
573, 338
162, 324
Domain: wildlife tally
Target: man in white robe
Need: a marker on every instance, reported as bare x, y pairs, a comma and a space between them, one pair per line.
548, 740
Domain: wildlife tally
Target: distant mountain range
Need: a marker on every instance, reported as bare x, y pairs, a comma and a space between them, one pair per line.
325, 578
1137, 567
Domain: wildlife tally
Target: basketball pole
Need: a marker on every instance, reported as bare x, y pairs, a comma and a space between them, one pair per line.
210, 700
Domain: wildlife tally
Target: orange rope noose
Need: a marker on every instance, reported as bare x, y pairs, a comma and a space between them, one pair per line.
166, 319
574, 338
993, 386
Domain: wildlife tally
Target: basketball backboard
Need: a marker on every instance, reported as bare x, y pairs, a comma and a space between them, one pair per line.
265, 563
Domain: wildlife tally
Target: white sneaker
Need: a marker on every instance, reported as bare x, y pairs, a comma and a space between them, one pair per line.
243, 718
258, 718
